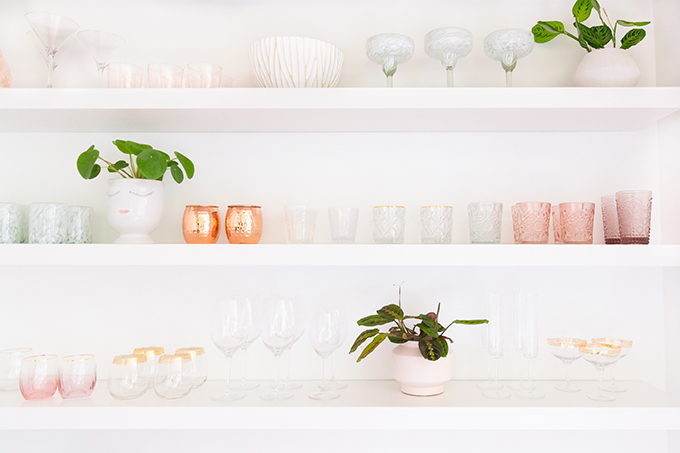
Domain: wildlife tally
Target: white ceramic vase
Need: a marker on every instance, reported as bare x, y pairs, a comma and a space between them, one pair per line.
134, 209
417, 375
607, 68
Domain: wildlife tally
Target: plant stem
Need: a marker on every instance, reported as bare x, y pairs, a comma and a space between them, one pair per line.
121, 172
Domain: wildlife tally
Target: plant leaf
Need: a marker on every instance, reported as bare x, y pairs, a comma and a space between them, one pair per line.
117, 166
471, 322
87, 162
431, 331
547, 31
373, 320
597, 37
396, 340
632, 38
440, 328
625, 23
177, 174
392, 311
363, 336
95, 171
582, 10
427, 321
430, 349
186, 163
596, 5
372, 345
152, 164
444, 345
130, 147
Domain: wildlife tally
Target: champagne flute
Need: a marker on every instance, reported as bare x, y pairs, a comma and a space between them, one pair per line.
531, 342
495, 341
101, 46
230, 324
326, 333
254, 331
489, 383
52, 31
519, 338
625, 346
600, 356
567, 350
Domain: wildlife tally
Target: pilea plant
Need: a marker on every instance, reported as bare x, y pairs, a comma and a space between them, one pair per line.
428, 332
144, 162
596, 37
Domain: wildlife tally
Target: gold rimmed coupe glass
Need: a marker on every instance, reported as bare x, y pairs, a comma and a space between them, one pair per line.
625, 346
567, 350
600, 356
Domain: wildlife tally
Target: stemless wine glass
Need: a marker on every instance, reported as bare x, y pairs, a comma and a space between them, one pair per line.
165, 75
531, 345
230, 323
199, 364
448, 45
204, 75
388, 50
77, 376
10, 367
508, 46
326, 333
52, 30
254, 330
600, 356
124, 75
101, 47
567, 350
38, 376
625, 346
495, 340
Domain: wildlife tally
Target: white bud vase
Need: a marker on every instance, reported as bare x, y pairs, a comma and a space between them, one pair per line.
134, 209
417, 375
607, 68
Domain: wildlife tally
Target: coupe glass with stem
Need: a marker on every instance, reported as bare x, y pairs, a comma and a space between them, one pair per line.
625, 346
389, 50
508, 46
448, 45
282, 323
600, 356
326, 333
567, 350
101, 46
531, 348
52, 30
495, 341
519, 339
254, 330
230, 323
489, 383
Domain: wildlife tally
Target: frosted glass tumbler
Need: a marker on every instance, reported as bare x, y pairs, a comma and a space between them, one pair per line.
389, 223
634, 208
610, 220
77, 376
11, 223
576, 222
204, 75
79, 225
10, 367
485, 220
343, 224
531, 221
38, 376
124, 75
436, 224
165, 75
300, 224
47, 223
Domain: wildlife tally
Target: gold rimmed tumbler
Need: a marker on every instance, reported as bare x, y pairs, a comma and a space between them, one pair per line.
201, 224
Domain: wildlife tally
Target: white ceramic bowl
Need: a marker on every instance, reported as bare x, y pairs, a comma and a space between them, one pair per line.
295, 62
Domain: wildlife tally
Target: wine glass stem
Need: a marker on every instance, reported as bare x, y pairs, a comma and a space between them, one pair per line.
508, 78
50, 68
495, 371
449, 76
245, 366
277, 361
228, 371
101, 75
489, 366
521, 369
389, 82
324, 359
612, 381
567, 382
286, 368
530, 378
330, 361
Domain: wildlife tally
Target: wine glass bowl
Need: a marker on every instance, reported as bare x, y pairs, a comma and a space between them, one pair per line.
625, 346
52, 30
508, 46
600, 356
448, 45
101, 46
389, 50
567, 350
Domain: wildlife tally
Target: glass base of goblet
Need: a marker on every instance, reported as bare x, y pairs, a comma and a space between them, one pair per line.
530, 394
324, 395
601, 397
244, 385
336, 385
613, 388
497, 394
276, 395
227, 396
521, 385
288, 386
567, 387
489, 385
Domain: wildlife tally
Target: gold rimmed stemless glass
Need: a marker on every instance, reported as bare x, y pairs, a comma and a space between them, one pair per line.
600, 356
567, 350
625, 346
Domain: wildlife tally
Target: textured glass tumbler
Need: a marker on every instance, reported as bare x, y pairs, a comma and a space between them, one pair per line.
343, 224
437, 222
11, 223
204, 75
243, 224
531, 222
485, 220
10, 367
201, 224
124, 75
77, 376
576, 222
79, 228
47, 223
389, 223
634, 208
556, 225
300, 224
38, 377
165, 75
610, 220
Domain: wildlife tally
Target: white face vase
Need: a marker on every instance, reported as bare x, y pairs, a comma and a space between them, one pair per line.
134, 209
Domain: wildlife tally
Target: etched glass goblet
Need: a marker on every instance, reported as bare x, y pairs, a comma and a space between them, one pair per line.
389, 50
101, 46
508, 46
600, 356
567, 350
448, 45
625, 346
52, 30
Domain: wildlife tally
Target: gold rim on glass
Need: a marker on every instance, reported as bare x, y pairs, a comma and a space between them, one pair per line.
193, 351
567, 342
437, 206
129, 359
615, 341
150, 351
78, 357
174, 358
40, 358
389, 206
600, 349
16, 351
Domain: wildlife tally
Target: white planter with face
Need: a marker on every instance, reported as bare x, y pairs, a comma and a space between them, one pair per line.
134, 209
417, 375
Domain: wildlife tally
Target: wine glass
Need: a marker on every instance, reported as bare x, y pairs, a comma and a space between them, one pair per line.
326, 333
388, 50
567, 350
334, 384
625, 346
230, 323
286, 384
254, 330
495, 345
531, 345
101, 46
52, 31
508, 46
283, 324
448, 45
600, 356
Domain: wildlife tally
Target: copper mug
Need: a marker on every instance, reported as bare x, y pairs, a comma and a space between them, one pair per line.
201, 224
243, 224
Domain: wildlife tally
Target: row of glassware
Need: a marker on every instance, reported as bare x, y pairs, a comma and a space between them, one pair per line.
45, 223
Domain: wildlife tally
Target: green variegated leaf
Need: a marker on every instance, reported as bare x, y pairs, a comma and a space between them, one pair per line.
625, 23
427, 330
596, 5
363, 336
582, 10
444, 345
546, 31
632, 38
471, 322
392, 312
396, 340
430, 349
440, 328
372, 345
597, 37
373, 320
427, 321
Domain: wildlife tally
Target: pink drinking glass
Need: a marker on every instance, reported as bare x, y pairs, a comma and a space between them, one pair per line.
610, 220
531, 221
77, 376
576, 222
515, 223
556, 225
123, 75
165, 75
634, 208
38, 378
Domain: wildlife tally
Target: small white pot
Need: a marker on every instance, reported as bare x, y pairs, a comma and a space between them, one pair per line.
417, 375
607, 68
134, 208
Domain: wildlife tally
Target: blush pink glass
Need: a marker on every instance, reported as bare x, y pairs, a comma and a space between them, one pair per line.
610, 220
556, 225
576, 222
165, 75
634, 208
38, 378
77, 376
531, 222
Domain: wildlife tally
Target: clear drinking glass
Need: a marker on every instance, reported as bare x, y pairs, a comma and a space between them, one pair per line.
448, 45
485, 220
326, 333
38, 376
175, 376
10, 367
124, 75
388, 50
531, 221
600, 356
165, 75
610, 220
129, 376
531, 344
227, 82
567, 350
77, 376
79, 229
11, 223
496, 344
625, 346
343, 222
300, 224
576, 222
634, 208
199, 364
204, 75
152, 354
47, 223
102, 46
556, 225
437, 222
508, 46
230, 324
53, 31
389, 224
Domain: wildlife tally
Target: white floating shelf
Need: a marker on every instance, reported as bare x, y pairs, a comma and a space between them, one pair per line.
364, 404
336, 109
339, 255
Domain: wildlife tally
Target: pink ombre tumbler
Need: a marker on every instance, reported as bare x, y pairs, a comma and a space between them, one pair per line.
38, 378
77, 376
